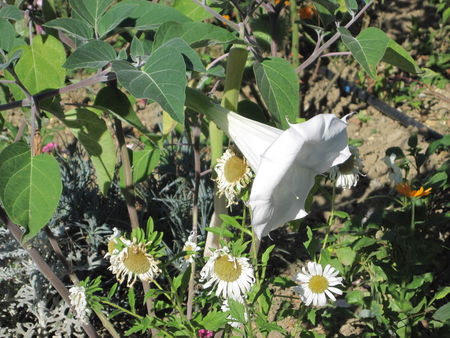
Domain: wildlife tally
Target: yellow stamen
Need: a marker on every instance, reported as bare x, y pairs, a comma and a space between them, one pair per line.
234, 169
137, 260
227, 270
318, 284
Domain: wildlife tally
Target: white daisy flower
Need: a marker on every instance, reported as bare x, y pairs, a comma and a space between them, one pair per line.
134, 261
78, 300
317, 283
233, 276
233, 174
190, 245
395, 173
346, 174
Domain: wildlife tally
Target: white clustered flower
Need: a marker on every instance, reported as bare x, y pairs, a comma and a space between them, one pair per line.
395, 173
233, 276
78, 300
346, 174
317, 283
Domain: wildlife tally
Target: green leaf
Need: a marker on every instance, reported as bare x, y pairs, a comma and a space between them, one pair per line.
346, 255
11, 13
443, 313
213, 321
397, 56
311, 244
194, 11
136, 49
39, 68
132, 299
144, 162
93, 134
362, 243
237, 310
356, 297
7, 35
191, 57
279, 87
90, 10
149, 15
368, 48
163, 80
30, 187
94, 54
111, 100
114, 17
12, 57
74, 27
195, 34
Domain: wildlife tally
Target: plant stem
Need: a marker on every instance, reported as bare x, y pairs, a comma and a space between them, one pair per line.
330, 221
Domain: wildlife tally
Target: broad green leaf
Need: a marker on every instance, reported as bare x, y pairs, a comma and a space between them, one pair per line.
195, 34
93, 134
397, 56
346, 255
194, 11
94, 54
110, 99
114, 17
39, 68
311, 244
368, 48
11, 58
7, 35
213, 320
443, 313
11, 12
90, 10
162, 80
144, 162
331, 6
326, 11
279, 87
74, 27
136, 49
356, 297
149, 15
30, 187
191, 58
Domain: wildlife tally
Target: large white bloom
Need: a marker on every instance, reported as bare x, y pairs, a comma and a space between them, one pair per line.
285, 162
78, 300
233, 276
395, 173
317, 283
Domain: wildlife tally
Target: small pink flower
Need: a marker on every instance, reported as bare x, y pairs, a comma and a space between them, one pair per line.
205, 333
49, 147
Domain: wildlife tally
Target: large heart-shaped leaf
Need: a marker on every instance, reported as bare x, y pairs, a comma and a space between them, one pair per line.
194, 11
7, 35
149, 15
77, 28
367, 48
195, 34
112, 100
162, 80
39, 67
93, 134
94, 54
114, 17
30, 187
11, 12
397, 56
90, 10
279, 87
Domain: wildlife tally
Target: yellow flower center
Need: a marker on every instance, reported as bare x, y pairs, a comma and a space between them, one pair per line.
226, 270
318, 284
111, 245
137, 260
348, 165
234, 169
188, 248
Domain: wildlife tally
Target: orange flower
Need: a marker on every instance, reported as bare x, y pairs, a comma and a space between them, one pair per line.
307, 12
405, 189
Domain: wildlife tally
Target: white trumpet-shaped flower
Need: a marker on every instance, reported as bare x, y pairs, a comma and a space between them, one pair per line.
395, 173
285, 162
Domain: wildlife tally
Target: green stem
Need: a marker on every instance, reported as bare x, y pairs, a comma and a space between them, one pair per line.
330, 222
301, 313
413, 220
121, 309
